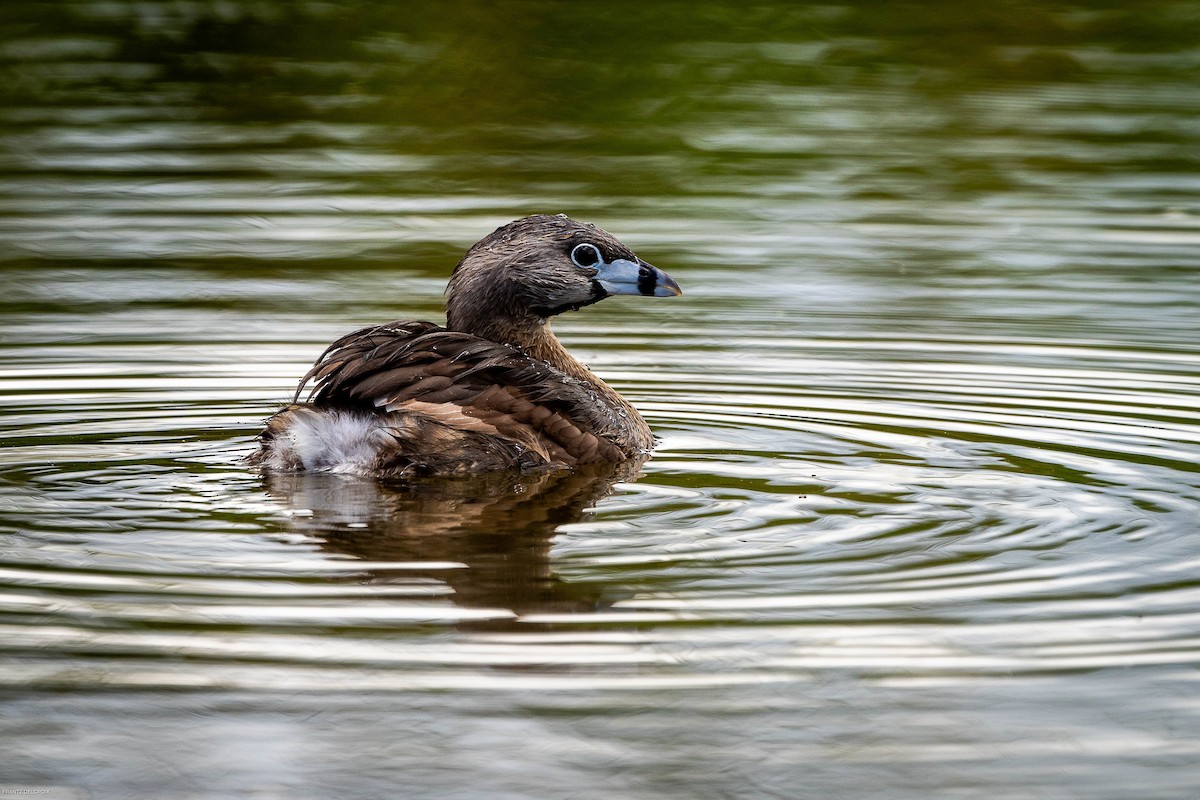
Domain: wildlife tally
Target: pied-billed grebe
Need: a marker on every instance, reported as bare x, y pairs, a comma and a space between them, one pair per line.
492, 390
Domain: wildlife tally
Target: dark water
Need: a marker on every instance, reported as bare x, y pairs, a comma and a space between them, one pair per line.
925, 520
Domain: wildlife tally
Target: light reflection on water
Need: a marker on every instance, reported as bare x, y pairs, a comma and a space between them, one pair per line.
923, 518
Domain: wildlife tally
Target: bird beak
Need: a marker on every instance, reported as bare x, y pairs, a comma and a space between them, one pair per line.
635, 277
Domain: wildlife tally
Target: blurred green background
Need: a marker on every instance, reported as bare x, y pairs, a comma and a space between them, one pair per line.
923, 519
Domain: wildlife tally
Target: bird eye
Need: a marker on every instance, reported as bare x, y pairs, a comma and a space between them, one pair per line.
586, 255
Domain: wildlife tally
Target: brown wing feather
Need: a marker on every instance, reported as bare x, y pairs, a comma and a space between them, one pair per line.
465, 383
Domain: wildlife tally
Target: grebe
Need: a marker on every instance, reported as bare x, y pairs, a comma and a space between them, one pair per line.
492, 390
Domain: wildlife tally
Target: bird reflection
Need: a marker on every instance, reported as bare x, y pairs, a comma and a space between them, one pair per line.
499, 525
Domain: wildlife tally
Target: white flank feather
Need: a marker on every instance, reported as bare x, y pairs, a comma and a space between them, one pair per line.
331, 441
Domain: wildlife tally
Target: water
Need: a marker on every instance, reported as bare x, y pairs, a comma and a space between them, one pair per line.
924, 516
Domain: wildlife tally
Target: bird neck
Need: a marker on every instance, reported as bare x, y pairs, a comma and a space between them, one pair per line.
543, 345
533, 336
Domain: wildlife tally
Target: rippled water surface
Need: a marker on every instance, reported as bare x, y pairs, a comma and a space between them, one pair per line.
925, 518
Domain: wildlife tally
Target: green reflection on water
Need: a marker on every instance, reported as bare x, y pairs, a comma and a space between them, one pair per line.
926, 405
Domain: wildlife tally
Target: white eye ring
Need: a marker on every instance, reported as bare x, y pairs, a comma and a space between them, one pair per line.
586, 255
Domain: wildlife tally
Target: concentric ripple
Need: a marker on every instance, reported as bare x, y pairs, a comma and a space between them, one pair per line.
924, 517
866, 503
